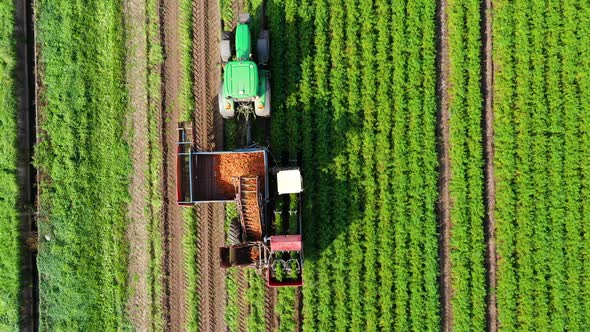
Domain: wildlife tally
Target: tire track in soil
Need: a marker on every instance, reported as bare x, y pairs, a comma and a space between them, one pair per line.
298, 308
444, 204
208, 136
137, 234
270, 299
175, 280
490, 185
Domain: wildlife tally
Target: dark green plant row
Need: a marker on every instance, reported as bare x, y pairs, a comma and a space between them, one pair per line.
466, 186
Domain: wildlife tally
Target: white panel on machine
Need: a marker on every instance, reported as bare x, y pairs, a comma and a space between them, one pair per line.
289, 181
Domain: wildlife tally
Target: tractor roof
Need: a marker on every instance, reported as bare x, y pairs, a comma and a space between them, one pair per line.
240, 79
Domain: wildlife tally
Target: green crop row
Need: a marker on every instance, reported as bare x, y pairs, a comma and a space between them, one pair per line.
187, 106
367, 141
85, 165
154, 82
9, 191
255, 299
541, 164
466, 162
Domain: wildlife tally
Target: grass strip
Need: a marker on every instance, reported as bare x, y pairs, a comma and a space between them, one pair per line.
85, 165
10, 283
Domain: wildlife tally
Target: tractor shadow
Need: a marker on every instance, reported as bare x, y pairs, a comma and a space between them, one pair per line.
305, 132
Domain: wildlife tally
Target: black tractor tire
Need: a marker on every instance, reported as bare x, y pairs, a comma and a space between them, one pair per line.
225, 46
234, 235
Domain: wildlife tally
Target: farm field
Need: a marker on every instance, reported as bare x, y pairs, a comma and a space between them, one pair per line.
443, 146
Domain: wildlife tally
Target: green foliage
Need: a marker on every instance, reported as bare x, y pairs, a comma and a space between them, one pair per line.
285, 310
189, 245
357, 105
186, 98
541, 151
85, 165
9, 191
466, 159
255, 298
232, 306
154, 60
227, 14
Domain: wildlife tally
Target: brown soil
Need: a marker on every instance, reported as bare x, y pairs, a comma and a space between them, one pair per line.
444, 203
298, 307
270, 301
175, 280
137, 234
489, 170
209, 133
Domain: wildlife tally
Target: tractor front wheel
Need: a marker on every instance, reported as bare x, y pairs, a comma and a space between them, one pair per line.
226, 106
265, 111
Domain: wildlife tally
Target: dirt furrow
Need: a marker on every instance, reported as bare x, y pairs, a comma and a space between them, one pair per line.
270, 301
206, 30
137, 234
490, 187
175, 287
444, 204
298, 308
26, 174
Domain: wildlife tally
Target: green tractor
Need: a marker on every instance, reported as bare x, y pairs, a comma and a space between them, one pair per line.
245, 88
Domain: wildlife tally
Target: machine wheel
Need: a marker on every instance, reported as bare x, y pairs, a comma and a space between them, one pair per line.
234, 236
225, 46
225, 113
263, 47
265, 113
244, 18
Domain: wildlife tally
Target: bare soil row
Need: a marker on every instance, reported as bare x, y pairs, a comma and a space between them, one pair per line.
445, 202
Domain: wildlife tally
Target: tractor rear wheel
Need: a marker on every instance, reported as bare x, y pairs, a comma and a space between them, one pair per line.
234, 235
263, 47
225, 46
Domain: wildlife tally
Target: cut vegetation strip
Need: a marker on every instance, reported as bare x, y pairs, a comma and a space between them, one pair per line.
85, 165
10, 284
540, 148
466, 183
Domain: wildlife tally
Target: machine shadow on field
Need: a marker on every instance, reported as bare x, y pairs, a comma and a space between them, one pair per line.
305, 124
